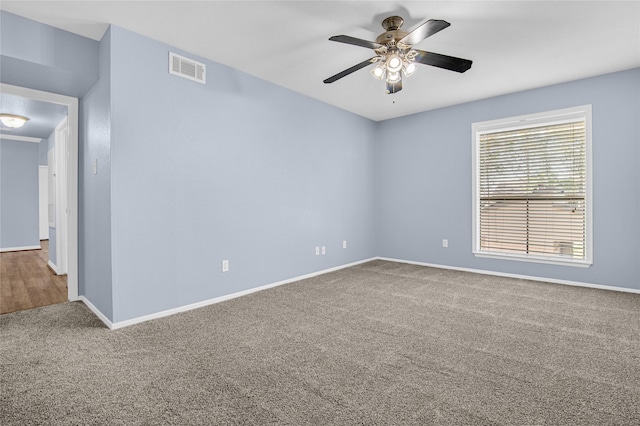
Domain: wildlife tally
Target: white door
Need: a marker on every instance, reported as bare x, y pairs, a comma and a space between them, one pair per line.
43, 206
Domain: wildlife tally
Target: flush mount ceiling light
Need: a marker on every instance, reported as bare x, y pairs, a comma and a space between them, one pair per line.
395, 55
13, 121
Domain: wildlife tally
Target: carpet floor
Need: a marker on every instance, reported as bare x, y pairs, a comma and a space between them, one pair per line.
378, 343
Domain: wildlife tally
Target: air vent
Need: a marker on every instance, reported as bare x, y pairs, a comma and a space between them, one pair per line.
187, 68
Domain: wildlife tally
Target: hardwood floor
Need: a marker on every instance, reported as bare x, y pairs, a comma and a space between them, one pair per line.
27, 282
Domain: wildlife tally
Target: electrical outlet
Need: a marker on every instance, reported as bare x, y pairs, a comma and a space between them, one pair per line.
225, 266
445, 243
324, 250
344, 244
317, 250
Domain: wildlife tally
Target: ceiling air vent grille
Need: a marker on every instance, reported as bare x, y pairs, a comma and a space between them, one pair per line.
187, 68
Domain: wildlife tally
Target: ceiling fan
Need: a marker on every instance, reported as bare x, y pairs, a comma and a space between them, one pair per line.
395, 55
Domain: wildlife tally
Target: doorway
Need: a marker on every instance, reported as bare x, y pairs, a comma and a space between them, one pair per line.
66, 187
28, 281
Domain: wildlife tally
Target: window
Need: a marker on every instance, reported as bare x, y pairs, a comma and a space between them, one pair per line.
532, 197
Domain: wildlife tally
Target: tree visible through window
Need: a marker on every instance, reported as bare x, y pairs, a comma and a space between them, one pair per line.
531, 182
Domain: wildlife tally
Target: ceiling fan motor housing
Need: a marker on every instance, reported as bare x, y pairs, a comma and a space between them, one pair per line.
393, 32
392, 23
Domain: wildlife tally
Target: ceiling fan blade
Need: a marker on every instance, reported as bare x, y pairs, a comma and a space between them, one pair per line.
355, 41
349, 70
394, 87
425, 30
443, 61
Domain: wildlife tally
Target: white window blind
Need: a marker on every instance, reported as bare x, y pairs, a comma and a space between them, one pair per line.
531, 188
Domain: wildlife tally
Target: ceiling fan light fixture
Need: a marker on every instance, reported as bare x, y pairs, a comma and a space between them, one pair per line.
395, 57
394, 63
393, 77
409, 68
13, 121
379, 71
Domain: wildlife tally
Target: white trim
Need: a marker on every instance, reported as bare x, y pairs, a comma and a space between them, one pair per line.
168, 312
589, 185
20, 138
138, 320
51, 188
53, 267
565, 115
96, 311
61, 218
557, 260
43, 202
72, 174
2, 250
508, 275
582, 112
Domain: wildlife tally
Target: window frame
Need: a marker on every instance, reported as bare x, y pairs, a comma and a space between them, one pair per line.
525, 121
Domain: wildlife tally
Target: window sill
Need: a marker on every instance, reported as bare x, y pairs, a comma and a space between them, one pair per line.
536, 259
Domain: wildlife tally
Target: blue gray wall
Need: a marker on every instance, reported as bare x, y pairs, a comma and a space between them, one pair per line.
19, 226
191, 174
41, 57
424, 182
94, 191
43, 148
45, 58
236, 169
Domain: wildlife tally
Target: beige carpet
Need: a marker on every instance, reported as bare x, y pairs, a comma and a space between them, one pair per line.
380, 343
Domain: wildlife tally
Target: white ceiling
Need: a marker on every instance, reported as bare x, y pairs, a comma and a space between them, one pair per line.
514, 45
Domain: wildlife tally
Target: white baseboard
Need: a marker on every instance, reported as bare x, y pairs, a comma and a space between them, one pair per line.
2, 250
508, 275
53, 267
96, 311
126, 323
138, 320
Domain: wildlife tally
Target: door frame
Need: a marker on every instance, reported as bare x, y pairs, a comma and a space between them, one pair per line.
69, 161
43, 201
61, 168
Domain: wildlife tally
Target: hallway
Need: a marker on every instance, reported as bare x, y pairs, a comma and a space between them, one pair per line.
27, 282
